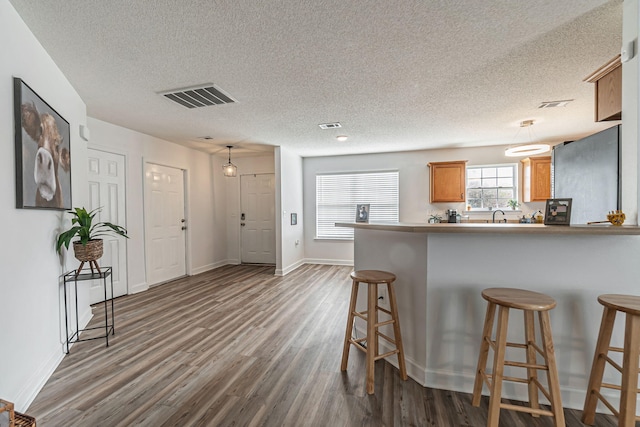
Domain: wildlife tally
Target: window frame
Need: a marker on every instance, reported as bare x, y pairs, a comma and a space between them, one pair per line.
516, 171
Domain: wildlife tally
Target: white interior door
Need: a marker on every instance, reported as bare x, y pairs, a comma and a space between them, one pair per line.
165, 223
257, 220
107, 191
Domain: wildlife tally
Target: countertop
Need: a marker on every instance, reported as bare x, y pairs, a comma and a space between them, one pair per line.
497, 228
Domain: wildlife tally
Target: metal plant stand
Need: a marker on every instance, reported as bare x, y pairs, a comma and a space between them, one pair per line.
86, 274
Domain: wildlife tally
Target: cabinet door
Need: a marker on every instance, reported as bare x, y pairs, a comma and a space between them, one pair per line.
537, 179
447, 181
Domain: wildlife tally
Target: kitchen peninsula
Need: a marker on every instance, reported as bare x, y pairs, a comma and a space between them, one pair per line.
441, 270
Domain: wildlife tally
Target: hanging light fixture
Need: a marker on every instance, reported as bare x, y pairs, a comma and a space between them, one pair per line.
530, 149
229, 168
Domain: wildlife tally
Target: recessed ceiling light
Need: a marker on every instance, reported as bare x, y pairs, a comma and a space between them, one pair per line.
342, 138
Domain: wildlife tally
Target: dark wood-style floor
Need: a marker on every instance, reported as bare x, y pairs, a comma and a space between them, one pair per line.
238, 346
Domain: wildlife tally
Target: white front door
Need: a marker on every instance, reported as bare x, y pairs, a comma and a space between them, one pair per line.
165, 223
107, 192
257, 220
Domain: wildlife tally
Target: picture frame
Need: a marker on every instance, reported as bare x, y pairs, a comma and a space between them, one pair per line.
362, 212
42, 152
294, 219
558, 212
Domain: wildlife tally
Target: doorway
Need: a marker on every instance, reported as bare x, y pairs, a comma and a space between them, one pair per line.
106, 176
257, 218
165, 223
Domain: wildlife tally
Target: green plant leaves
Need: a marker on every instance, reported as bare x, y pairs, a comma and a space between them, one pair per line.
83, 227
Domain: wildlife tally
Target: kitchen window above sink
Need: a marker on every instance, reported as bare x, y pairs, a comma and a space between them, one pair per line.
491, 187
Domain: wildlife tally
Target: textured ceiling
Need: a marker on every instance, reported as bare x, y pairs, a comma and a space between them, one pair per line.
398, 75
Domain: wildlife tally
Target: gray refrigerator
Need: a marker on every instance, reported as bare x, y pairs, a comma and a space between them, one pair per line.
588, 172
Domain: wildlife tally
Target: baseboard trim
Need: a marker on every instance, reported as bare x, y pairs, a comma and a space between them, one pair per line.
289, 269
347, 262
40, 376
137, 288
208, 267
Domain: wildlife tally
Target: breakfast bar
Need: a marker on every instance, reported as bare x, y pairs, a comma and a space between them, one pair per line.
441, 270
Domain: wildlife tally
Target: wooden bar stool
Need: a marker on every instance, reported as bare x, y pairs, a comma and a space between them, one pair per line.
630, 305
529, 302
369, 344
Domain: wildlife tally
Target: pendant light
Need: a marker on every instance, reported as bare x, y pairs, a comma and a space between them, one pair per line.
530, 149
229, 169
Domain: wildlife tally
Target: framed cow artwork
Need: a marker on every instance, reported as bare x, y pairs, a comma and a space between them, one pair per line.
43, 152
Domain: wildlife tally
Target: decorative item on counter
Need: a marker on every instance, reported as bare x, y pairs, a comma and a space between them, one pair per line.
539, 218
513, 204
558, 212
468, 207
435, 218
362, 212
616, 217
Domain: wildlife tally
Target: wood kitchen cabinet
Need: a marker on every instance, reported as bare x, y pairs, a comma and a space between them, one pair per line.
447, 181
536, 179
608, 90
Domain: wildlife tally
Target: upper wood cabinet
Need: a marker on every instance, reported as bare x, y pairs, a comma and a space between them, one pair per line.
536, 179
608, 90
447, 181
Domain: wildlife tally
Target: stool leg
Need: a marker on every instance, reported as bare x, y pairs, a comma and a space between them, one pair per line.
630, 372
498, 367
552, 370
347, 335
597, 367
484, 353
532, 373
396, 330
372, 336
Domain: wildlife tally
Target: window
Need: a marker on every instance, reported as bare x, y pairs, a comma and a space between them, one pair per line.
338, 194
491, 186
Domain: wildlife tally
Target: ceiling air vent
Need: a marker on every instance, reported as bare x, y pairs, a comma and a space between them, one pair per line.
198, 96
553, 104
330, 125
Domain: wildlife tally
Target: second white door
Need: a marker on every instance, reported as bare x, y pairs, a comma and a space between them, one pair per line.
107, 193
165, 223
257, 218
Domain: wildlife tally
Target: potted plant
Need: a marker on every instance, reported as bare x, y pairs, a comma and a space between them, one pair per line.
513, 204
435, 218
89, 246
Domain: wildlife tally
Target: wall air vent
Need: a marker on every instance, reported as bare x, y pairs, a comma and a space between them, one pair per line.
330, 125
553, 104
198, 96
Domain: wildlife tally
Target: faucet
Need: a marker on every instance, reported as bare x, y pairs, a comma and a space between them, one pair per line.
494, 215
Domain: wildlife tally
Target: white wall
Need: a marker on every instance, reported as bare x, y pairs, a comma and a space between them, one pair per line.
203, 226
630, 123
230, 198
31, 308
414, 190
290, 201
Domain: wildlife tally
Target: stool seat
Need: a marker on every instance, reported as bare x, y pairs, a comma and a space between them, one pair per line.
520, 299
625, 303
373, 276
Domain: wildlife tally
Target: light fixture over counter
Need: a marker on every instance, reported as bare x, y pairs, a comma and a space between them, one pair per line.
229, 168
530, 149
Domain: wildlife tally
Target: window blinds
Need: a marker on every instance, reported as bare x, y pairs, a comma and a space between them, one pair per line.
338, 194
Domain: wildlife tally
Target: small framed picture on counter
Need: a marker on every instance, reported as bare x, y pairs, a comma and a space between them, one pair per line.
362, 212
558, 212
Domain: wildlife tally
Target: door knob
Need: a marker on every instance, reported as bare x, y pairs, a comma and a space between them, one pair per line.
183, 220
242, 224
184, 228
